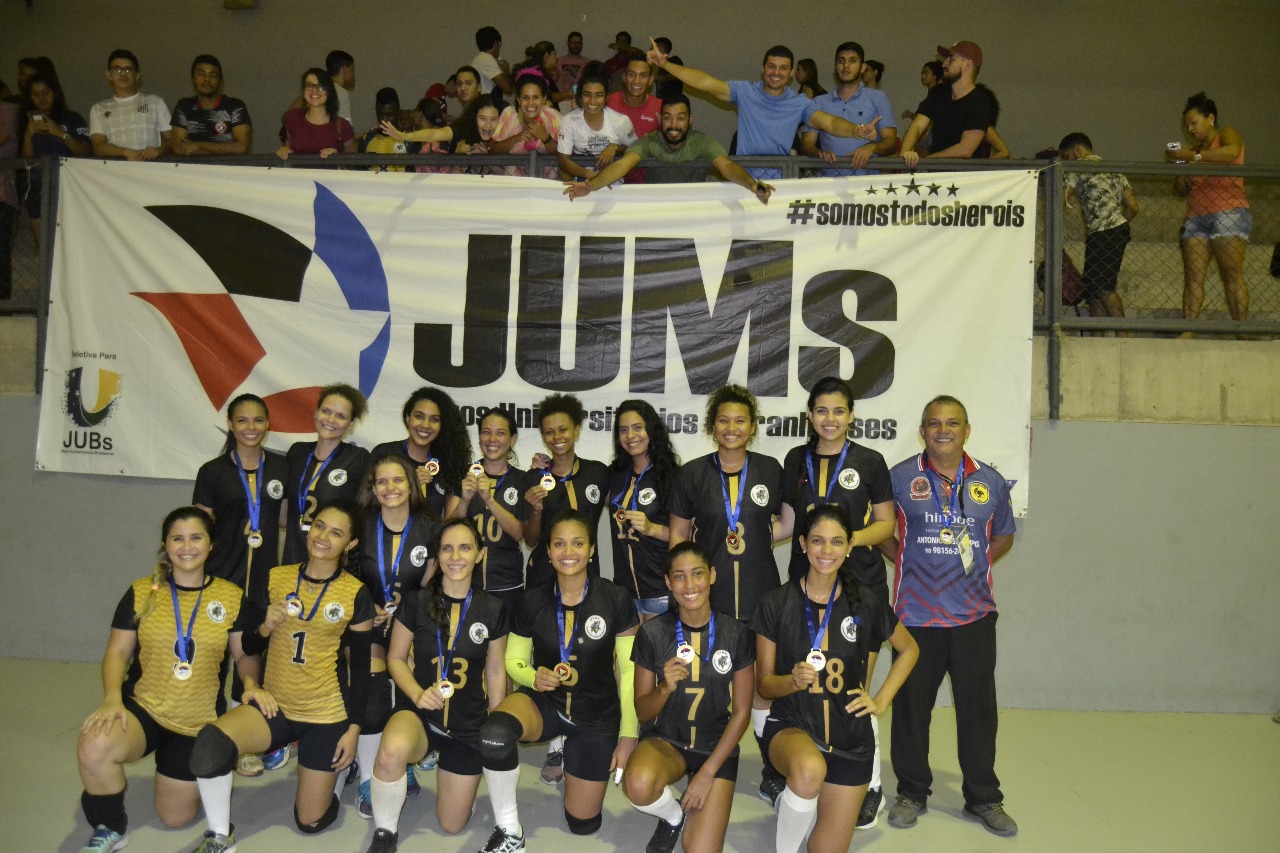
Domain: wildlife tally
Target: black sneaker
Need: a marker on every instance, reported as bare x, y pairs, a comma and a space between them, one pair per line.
502, 842
872, 805
384, 841
993, 817
904, 811
664, 837
771, 787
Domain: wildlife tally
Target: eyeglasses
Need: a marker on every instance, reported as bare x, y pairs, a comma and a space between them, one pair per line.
313, 87
122, 71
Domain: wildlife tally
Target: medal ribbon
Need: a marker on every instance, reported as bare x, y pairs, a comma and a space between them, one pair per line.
254, 501
813, 480
953, 516
731, 513
302, 570
711, 635
389, 583
184, 640
564, 647
815, 637
303, 488
498, 484
446, 652
633, 485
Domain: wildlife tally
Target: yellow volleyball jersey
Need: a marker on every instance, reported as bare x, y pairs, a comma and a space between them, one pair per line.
302, 656
183, 706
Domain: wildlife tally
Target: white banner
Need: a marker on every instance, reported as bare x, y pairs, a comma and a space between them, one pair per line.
177, 287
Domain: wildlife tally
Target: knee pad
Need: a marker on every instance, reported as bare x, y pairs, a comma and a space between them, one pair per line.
499, 739
378, 709
214, 753
330, 815
580, 826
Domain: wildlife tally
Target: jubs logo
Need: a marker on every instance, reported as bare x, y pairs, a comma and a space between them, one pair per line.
256, 260
85, 438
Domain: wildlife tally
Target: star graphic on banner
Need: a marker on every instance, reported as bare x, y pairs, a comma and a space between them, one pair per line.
913, 187
891, 190
872, 191
952, 190
933, 188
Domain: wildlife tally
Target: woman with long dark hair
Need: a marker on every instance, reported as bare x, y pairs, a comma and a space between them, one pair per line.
52, 131
316, 127
438, 446
493, 498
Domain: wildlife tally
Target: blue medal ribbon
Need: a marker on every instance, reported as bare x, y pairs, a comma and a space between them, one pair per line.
815, 636
634, 485
501, 479
303, 488
388, 583
835, 472
302, 570
184, 640
731, 512
953, 516
254, 501
566, 646
711, 635
446, 652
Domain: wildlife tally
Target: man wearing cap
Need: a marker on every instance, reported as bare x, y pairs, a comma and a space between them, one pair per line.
958, 112
955, 520
210, 122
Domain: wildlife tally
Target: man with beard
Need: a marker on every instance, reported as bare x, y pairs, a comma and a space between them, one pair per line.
210, 122
852, 101
677, 142
569, 67
958, 110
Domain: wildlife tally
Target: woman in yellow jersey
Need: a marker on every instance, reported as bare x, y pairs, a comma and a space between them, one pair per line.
174, 628
316, 608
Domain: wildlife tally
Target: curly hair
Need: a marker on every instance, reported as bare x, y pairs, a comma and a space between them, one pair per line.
662, 455
724, 396
453, 444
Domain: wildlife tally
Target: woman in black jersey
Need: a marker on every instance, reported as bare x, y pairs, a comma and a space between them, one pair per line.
438, 446
830, 469
395, 556
168, 636
316, 609
644, 465
458, 637
326, 469
493, 498
816, 639
565, 642
694, 683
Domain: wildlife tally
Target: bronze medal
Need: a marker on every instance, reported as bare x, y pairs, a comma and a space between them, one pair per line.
562, 671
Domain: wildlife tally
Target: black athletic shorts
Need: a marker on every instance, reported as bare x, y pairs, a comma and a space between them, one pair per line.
841, 769
587, 753
173, 751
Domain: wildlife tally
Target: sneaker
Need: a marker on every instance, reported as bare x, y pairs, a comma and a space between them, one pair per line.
249, 765
664, 837
872, 805
993, 818
353, 773
276, 760
429, 763
553, 769
104, 840
771, 787
384, 841
412, 788
904, 811
364, 803
501, 842
215, 843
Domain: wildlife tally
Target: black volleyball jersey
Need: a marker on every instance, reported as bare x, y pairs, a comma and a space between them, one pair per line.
396, 578
311, 485
503, 565
746, 570
589, 696
467, 650
861, 481
639, 562
697, 712
851, 634
219, 487
584, 489
442, 485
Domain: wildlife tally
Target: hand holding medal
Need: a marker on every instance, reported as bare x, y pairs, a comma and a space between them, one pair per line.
432, 699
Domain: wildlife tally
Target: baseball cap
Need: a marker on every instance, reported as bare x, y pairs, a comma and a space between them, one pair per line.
965, 50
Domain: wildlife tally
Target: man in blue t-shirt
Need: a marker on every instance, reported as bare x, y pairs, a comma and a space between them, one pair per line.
769, 111
852, 101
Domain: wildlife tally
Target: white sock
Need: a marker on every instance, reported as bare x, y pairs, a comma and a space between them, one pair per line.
875, 760
215, 796
758, 716
556, 744
665, 807
340, 783
795, 815
502, 786
388, 799
367, 754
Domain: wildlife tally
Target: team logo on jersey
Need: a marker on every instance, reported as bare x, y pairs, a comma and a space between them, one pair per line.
220, 127
510, 496
440, 488
979, 492
849, 629
337, 476
334, 612
275, 489
760, 495
593, 493
595, 627
401, 148
722, 661
849, 478
216, 612
647, 496
478, 633
920, 490
418, 556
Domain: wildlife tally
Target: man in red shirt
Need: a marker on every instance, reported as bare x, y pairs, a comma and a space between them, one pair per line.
637, 103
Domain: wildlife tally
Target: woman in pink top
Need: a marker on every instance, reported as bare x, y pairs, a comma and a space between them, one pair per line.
532, 125
316, 128
1218, 219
